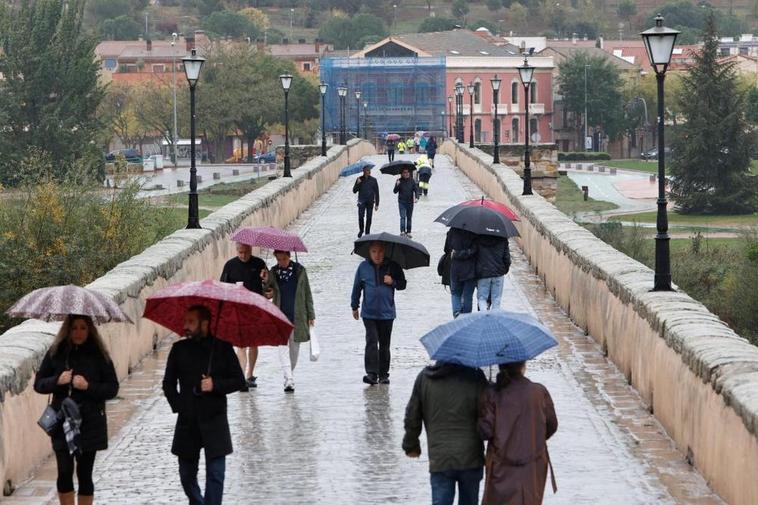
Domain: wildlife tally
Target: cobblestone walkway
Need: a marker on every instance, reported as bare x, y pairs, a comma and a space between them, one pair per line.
336, 441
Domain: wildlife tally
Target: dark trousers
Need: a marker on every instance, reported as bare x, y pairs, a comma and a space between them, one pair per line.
84, 464
215, 469
406, 216
443, 486
365, 213
377, 356
391, 154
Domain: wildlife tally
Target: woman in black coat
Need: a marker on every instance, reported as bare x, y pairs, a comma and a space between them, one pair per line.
78, 366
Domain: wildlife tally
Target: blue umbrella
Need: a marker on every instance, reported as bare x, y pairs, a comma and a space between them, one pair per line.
488, 338
356, 168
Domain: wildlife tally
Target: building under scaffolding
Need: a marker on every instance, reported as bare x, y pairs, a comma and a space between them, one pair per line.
402, 95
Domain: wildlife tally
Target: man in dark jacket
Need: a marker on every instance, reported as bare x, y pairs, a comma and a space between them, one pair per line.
377, 278
391, 150
446, 400
367, 188
407, 195
247, 269
461, 247
206, 370
492, 263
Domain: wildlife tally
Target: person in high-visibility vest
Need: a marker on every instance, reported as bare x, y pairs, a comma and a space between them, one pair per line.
401, 147
410, 144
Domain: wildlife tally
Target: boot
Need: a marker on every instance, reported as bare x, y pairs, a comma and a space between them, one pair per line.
66, 498
84, 500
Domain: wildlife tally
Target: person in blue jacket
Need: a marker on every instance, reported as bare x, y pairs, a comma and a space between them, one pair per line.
378, 278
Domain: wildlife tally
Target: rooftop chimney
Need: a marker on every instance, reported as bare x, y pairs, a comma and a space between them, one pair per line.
189, 42
149, 44
317, 46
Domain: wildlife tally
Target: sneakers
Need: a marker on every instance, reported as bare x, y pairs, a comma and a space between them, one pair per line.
408, 234
370, 380
289, 386
384, 380
251, 382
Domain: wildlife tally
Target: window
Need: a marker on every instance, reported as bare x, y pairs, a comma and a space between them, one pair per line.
724, 51
478, 130
744, 51
159, 69
478, 93
307, 67
514, 130
533, 92
131, 68
514, 92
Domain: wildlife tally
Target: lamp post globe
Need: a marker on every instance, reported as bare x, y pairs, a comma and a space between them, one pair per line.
192, 66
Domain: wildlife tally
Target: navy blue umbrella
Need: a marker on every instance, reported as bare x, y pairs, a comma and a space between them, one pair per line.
488, 338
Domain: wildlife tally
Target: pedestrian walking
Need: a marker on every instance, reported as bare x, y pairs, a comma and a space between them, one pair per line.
206, 369
445, 400
410, 145
431, 150
367, 188
461, 248
377, 279
391, 150
400, 148
424, 172
492, 263
78, 367
291, 292
247, 269
407, 195
517, 418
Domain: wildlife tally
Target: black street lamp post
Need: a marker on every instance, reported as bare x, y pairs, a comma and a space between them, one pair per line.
365, 119
495, 81
192, 65
471, 114
286, 83
526, 73
323, 87
358, 112
460, 122
342, 92
450, 115
659, 43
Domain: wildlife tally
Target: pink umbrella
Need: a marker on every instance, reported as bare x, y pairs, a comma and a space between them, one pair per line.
269, 238
57, 302
239, 316
493, 205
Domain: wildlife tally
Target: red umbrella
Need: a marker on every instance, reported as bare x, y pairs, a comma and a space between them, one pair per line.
57, 302
393, 136
270, 238
239, 316
493, 205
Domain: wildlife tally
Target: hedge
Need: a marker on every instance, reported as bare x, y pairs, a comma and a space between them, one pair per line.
588, 156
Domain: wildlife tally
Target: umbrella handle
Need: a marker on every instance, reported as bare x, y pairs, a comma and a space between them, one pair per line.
210, 358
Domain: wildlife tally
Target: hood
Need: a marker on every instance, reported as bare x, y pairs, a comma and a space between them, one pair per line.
441, 370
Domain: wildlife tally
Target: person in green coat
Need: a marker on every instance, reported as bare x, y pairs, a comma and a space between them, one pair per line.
290, 290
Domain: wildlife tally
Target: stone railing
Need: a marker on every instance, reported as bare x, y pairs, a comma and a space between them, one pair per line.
183, 255
698, 377
299, 154
543, 162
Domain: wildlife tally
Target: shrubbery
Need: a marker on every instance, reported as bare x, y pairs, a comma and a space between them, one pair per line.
588, 156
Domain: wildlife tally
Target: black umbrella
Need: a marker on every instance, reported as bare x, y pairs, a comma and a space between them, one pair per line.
403, 251
479, 220
397, 167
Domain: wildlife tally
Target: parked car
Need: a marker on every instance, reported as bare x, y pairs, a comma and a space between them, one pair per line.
269, 157
652, 154
131, 155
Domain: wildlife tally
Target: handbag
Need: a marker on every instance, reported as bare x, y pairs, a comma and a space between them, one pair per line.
443, 269
49, 419
315, 348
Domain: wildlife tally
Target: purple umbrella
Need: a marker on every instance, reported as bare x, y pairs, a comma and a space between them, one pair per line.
57, 302
269, 238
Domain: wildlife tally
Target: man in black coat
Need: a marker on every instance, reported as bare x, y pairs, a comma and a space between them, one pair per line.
247, 269
407, 195
391, 150
367, 188
206, 370
492, 263
461, 248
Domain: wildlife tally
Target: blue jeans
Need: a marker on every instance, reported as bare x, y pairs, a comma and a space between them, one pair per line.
406, 214
214, 480
462, 295
443, 486
491, 289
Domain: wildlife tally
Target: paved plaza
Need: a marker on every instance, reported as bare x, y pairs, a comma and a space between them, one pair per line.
337, 441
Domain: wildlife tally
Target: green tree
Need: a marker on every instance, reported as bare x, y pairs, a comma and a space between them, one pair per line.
626, 10
494, 5
517, 14
121, 28
49, 94
460, 9
119, 112
98, 11
442, 24
711, 151
231, 24
752, 105
349, 32
492, 26
605, 104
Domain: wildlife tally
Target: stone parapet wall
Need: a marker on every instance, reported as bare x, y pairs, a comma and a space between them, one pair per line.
182, 256
543, 162
299, 154
699, 378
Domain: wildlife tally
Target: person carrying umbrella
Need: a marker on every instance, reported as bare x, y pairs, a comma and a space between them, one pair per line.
206, 369
377, 279
461, 248
445, 402
390, 142
492, 263
78, 368
367, 188
407, 195
247, 269
290, 290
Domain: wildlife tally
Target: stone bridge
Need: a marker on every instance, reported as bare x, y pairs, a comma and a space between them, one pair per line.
656, 398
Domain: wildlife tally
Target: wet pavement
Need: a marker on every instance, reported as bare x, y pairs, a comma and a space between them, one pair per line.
337, 441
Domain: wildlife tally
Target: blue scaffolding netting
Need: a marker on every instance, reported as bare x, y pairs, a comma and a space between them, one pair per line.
403, 95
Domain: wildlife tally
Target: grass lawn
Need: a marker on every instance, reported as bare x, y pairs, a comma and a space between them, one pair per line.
754, 167
218, 195
642, 166
570, 199
685, 244
722, 221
